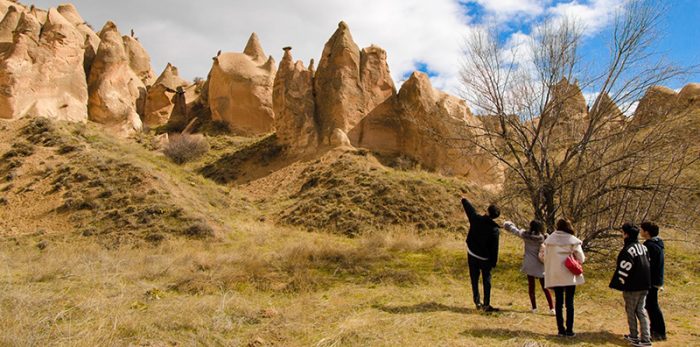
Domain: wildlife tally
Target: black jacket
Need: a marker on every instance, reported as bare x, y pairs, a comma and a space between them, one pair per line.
632, 273
482, 238
655, 247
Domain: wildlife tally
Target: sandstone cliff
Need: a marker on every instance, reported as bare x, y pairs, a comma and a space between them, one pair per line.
41, 71
160, 99
115, 89
349, 83
294, 105
431, 128
240, 89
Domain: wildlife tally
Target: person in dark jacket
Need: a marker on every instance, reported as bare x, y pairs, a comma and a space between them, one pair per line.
633, 279
655, 248
482, 250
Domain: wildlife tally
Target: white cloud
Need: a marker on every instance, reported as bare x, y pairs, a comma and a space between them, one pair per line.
593, 16
188, 33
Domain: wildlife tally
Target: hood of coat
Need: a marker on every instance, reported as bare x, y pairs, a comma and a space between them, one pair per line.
562, 238
533, 237
656, 241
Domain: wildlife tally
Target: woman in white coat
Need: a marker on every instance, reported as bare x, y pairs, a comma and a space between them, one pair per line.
559, 246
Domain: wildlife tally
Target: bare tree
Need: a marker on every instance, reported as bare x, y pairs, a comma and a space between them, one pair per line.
584, 161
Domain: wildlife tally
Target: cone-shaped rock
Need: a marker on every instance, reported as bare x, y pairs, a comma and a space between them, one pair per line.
160, 100
240, 90
6, 4
689, 96
114, 88
139, 60
655, 105
92, 40
423, 124
254, 49
44, 76
293, 103
9, 24
609, 114
565, 112
376, 78
349, 83
39, 14
339, 94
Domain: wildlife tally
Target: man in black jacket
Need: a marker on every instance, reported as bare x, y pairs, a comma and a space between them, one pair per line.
633, 279
482, 250
655, 248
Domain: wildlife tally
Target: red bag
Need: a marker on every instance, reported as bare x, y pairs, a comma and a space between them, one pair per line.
573, 265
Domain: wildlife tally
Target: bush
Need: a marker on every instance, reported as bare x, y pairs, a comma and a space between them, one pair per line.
199, 230
183, 148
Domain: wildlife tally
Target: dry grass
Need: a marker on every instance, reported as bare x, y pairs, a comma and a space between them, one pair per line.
261, 285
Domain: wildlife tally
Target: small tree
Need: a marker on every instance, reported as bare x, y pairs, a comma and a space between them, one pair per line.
586, 162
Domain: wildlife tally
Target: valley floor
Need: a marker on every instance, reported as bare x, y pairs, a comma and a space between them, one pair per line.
105, 242
264, 286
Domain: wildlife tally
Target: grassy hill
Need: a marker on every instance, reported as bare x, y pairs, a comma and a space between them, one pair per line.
104, 241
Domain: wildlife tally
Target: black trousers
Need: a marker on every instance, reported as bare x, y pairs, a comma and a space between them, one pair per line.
480, 267
562, 294
656, 317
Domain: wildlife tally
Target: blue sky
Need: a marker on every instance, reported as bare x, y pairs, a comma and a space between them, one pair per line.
417, 34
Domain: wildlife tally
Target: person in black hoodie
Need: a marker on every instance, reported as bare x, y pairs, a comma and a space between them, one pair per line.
655, 248
633, 279
482, 251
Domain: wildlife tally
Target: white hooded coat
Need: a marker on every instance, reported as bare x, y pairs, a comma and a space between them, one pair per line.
558, 246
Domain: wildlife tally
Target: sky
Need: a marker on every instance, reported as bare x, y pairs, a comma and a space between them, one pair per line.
425, 35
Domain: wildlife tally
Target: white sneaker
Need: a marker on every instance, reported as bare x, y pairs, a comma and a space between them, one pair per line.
552, 312
534, 310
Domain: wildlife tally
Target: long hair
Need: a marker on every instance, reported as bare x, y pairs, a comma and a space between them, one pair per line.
565, 226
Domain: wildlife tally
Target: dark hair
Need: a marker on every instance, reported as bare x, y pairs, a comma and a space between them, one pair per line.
631, 230
536, 227
651, 228
565, 226
494, 211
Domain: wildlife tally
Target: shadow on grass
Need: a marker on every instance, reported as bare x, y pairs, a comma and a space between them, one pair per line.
247, 164
425, 307
594, 337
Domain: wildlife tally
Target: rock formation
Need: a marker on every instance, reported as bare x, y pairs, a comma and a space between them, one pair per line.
160, 99
293, 103
655, 105
6, 4
611, 116
429, 127
41, 72
139, 60
92, 41
689, 96
349, 83
565, 113
240, 89
8, 24
114, 87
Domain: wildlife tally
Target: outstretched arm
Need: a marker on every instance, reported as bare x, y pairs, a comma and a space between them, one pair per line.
511, 228
469, 210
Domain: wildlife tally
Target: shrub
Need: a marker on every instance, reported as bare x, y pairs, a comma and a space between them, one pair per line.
199, 230
183, 148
